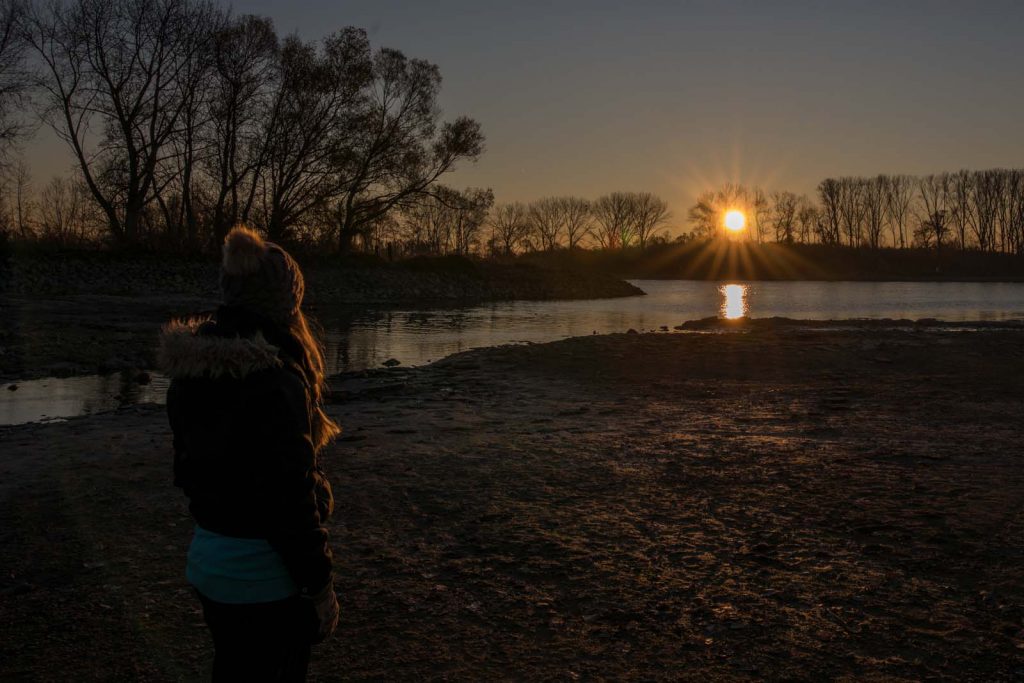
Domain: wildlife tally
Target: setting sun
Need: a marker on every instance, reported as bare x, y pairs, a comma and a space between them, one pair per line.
735, 221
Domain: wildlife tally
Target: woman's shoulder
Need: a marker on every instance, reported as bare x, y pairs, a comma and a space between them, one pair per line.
199, 348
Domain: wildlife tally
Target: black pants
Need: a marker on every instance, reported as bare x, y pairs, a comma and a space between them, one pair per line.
267, 641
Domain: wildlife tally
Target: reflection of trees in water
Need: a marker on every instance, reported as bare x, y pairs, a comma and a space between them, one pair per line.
363, 338
335, 326
358, 338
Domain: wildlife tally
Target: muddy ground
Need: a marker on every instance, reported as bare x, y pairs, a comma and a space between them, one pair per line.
779, 504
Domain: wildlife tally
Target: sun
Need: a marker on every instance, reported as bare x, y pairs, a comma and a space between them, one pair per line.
735, 221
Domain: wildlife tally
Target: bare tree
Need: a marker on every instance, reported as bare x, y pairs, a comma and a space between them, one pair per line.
116, 63
934, 191
576, 219
245, 59
784, 207
961, 199
985, 203
759, 213
448, 221
546, 222
807, 217
852, 208
704, 214
613, 215
64, 208
428, 229
1012, 234
469, 214
15, 79
315, 108
873, 198
188, 147
23, 205
397, 147
899, 197
510, 226
649, 212
932, 230
830, 195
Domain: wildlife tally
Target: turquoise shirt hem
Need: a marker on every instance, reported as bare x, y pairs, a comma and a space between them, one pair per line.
237, 570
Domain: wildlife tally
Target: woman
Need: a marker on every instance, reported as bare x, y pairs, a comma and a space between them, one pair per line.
245, 406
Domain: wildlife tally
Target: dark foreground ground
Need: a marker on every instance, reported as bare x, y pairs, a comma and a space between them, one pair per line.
799, 505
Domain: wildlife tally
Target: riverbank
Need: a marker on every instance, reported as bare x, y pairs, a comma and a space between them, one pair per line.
96, 313
362, 281
799, 504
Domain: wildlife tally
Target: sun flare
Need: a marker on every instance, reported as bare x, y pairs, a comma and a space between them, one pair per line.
735, 221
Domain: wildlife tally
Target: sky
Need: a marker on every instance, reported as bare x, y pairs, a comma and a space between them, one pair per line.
586, 97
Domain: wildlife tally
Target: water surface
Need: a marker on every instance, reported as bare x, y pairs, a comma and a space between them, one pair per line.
357, 339
362, 339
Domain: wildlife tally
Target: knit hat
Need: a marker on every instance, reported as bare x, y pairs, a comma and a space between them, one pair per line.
260, 277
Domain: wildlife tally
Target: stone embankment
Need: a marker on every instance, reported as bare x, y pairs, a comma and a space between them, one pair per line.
447, 280
84, 313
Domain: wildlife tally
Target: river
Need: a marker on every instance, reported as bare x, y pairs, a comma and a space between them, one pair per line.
365, 338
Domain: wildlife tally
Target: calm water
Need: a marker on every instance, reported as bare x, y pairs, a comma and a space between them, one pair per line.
366, 339
359, 339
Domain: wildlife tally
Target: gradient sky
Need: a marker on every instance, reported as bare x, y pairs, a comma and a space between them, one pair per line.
585, 97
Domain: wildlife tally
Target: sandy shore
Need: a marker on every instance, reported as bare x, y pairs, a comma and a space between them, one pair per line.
778, 504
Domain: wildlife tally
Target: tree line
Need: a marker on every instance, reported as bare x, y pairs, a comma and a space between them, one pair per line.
184, 119
612, 221
980, 210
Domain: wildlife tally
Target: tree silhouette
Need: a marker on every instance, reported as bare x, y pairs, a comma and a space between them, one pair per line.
113, 66
396, 146
613, 214
649, 212
15, 79
245, 67
315, 107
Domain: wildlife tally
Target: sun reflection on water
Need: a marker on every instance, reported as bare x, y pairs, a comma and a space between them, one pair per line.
734, 301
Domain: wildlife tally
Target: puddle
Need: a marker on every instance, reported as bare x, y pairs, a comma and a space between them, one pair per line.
57, 398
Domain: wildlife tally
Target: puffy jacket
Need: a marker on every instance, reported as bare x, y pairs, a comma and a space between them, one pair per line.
240, 410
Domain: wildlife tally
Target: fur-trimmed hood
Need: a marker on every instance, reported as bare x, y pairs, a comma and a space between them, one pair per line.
190, 348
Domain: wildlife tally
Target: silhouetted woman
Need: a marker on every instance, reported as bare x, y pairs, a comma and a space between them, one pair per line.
246, 411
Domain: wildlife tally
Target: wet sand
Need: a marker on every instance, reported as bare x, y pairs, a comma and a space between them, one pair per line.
783, 504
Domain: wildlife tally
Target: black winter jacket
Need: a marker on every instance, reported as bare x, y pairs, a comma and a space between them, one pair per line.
240, 410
